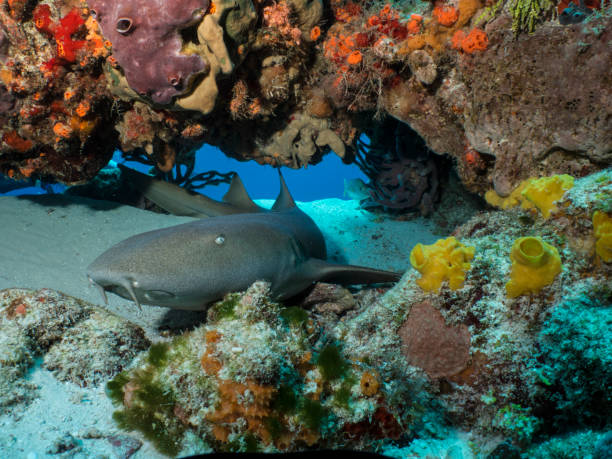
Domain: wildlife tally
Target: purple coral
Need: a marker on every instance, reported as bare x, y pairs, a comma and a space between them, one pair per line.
147, 44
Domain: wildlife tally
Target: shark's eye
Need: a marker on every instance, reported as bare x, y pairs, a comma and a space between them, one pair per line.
220, 239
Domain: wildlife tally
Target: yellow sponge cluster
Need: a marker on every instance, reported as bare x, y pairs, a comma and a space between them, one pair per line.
535, 264
602, 225
447, 259
540, 193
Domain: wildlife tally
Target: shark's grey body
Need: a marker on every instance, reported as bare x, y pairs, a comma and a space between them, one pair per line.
189, 266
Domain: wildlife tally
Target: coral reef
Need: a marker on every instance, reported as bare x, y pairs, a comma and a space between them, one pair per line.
287, 82
516, 371
517, 366
404, 371
56, 114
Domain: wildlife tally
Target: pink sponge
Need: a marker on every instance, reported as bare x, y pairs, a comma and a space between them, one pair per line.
147, 44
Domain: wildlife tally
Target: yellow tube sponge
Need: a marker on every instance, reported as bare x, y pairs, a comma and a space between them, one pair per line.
534, 192
535, 264
602, 225
447, 259
543, 192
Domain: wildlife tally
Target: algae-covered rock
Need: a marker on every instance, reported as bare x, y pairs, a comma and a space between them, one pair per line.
260, 377
576, 358
95, 350
75, 340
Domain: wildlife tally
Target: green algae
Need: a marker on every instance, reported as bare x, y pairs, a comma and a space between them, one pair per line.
313, 414
342, 396
286, 400
331, 363
151, 411
294, 316
517, 422
225, 309
158, 354
114, 388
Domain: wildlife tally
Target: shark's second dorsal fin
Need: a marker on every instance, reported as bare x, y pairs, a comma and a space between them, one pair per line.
237, 195
284, 199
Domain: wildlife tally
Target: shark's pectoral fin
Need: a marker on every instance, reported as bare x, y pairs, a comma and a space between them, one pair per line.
320, 270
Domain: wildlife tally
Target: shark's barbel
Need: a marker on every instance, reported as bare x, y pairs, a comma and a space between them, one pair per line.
189, 266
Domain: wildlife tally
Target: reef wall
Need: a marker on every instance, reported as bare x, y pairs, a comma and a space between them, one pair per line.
509, 92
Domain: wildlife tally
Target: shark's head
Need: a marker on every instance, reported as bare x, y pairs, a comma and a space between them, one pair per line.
162, 268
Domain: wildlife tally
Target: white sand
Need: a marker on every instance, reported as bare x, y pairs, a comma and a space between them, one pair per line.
48, 241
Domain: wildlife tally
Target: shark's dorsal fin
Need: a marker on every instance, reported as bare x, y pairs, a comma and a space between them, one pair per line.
237, 195
284, 199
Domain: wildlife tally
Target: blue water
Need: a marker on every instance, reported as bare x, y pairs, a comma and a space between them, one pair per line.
325, 180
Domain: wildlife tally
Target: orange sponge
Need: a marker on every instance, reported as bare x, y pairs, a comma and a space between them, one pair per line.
476, 40
446, 15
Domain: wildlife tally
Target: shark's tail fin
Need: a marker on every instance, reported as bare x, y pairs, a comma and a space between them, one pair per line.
350, 274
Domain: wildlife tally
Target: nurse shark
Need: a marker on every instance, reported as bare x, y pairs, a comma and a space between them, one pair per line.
233, 244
